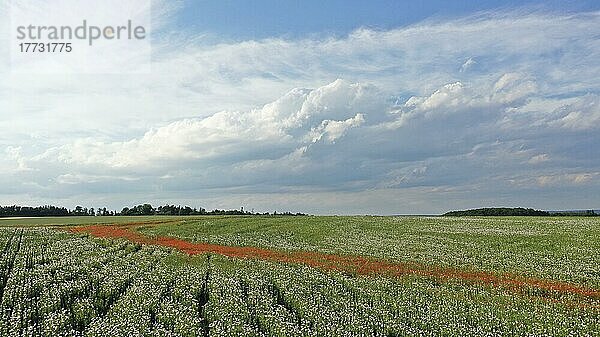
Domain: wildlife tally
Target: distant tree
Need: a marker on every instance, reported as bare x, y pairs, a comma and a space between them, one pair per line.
147, 209
144, 209
519, 211
78, 211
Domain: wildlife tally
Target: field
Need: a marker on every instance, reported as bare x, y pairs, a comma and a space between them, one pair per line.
300, 276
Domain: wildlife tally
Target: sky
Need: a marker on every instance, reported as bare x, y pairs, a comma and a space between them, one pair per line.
347, 107
239, 20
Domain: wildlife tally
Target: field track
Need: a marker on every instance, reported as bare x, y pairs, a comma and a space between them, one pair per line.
536, 287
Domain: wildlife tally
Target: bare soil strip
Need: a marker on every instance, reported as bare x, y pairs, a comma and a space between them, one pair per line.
349, 264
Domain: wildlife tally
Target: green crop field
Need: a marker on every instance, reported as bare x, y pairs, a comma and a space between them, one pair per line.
54, 282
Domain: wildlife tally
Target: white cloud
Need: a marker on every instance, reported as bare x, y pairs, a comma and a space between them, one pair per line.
538, 159
333, 130
282, 125
568, 178
583, 114
76, 179
469, 63
450, 95
512, 87
14, 154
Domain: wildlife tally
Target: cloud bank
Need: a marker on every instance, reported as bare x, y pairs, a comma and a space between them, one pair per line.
493, 109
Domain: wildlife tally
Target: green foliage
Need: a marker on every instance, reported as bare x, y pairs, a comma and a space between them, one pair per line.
503, 211
139, 210
78, 220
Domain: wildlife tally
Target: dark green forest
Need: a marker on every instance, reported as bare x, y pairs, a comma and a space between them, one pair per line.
518, 211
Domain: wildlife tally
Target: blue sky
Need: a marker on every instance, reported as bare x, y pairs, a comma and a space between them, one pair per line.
337, 108
235, 19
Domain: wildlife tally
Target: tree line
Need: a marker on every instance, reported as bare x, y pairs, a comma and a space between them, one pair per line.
517, 211
143, 209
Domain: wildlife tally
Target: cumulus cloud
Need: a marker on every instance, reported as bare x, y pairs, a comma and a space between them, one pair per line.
14, 154
333, 130
299, 117
450, 95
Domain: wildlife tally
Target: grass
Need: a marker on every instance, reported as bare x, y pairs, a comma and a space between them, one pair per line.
564, 249
559, 248
78, 220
